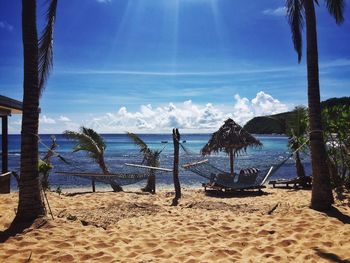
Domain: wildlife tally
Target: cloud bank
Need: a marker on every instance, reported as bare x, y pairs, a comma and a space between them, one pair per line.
187, 116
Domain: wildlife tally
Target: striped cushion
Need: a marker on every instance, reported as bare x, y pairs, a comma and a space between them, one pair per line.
249, 171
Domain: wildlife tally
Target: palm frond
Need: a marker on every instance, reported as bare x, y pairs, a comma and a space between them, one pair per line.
46, 46
84, 143
139, 142
336, 9
296, 22
95, 137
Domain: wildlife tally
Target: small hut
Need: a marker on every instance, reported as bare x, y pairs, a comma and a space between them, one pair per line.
232, 139
8, 107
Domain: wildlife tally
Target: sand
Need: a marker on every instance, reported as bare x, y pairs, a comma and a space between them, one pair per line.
135, 227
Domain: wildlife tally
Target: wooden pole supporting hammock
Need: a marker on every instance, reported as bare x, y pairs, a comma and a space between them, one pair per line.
176, 139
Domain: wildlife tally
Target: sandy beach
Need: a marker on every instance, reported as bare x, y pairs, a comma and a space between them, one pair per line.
277, 226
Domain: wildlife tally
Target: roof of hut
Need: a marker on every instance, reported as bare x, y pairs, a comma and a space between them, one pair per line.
230, 136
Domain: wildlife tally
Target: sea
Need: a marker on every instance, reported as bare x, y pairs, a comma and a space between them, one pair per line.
120, 150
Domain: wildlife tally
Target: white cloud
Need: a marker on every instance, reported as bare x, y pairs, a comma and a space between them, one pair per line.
104, 1
262, 104
279, 11
187, 116
64, 119
6, 26
46, 120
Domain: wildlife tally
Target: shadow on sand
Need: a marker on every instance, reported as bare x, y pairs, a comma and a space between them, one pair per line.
21, 228
330, 256
103, 192
334, 212
233, 194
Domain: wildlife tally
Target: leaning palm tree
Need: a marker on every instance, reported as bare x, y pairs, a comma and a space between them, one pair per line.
150, 158
297, 126
322, 197
37, 63
92, 143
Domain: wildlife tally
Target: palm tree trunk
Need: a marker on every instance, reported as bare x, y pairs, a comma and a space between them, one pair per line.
30, 204
232, 158
322, 197
176, 139
151, 184
103, 166
299, 166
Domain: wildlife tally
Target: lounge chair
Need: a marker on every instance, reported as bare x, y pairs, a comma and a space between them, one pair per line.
298, 182
246, 181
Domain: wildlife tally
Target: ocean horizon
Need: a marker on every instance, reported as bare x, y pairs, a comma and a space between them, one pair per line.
121, 150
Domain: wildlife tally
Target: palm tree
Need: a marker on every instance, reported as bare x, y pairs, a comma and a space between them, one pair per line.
37, 55
93, 144
322, 197
150, 158
297, 131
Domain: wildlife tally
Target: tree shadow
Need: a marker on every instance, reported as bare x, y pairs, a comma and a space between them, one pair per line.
103, 192
234, 194
14, 229
330, 256
334, 212
298, 189
22, 227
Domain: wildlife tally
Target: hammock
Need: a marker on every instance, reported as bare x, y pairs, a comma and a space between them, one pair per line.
134, 174
224, 179
252, 179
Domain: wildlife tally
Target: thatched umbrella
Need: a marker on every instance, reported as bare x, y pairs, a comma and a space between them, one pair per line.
232, 139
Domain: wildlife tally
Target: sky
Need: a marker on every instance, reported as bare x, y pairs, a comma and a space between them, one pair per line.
147, 66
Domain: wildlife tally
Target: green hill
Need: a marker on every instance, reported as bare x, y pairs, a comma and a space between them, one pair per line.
277, 123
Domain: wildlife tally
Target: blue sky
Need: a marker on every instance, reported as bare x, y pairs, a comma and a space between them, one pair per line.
146, 66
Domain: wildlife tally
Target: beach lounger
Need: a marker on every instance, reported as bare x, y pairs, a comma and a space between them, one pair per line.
246, 181
298, 182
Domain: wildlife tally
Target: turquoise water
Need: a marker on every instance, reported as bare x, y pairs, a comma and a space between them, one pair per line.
121, 150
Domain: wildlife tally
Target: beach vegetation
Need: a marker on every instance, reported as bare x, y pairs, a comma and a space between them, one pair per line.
150, 158
58, 190
44, 172
93, 144
337, 136
45, 164
277, 123
298, 10
37, 64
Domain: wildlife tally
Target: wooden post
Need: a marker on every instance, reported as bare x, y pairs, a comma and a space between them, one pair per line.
5, 181
93, 185
232, 157
176, 140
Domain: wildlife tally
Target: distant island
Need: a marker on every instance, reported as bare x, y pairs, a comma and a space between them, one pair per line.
276, 124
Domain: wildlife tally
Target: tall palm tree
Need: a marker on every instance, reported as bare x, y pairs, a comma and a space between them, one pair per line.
150, 158
93, 144
322, 197
37, 55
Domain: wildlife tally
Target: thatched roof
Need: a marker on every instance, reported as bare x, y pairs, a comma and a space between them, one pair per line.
230, 136
9, 106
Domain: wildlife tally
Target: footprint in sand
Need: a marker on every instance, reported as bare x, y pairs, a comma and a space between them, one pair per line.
64, 258
287, 242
